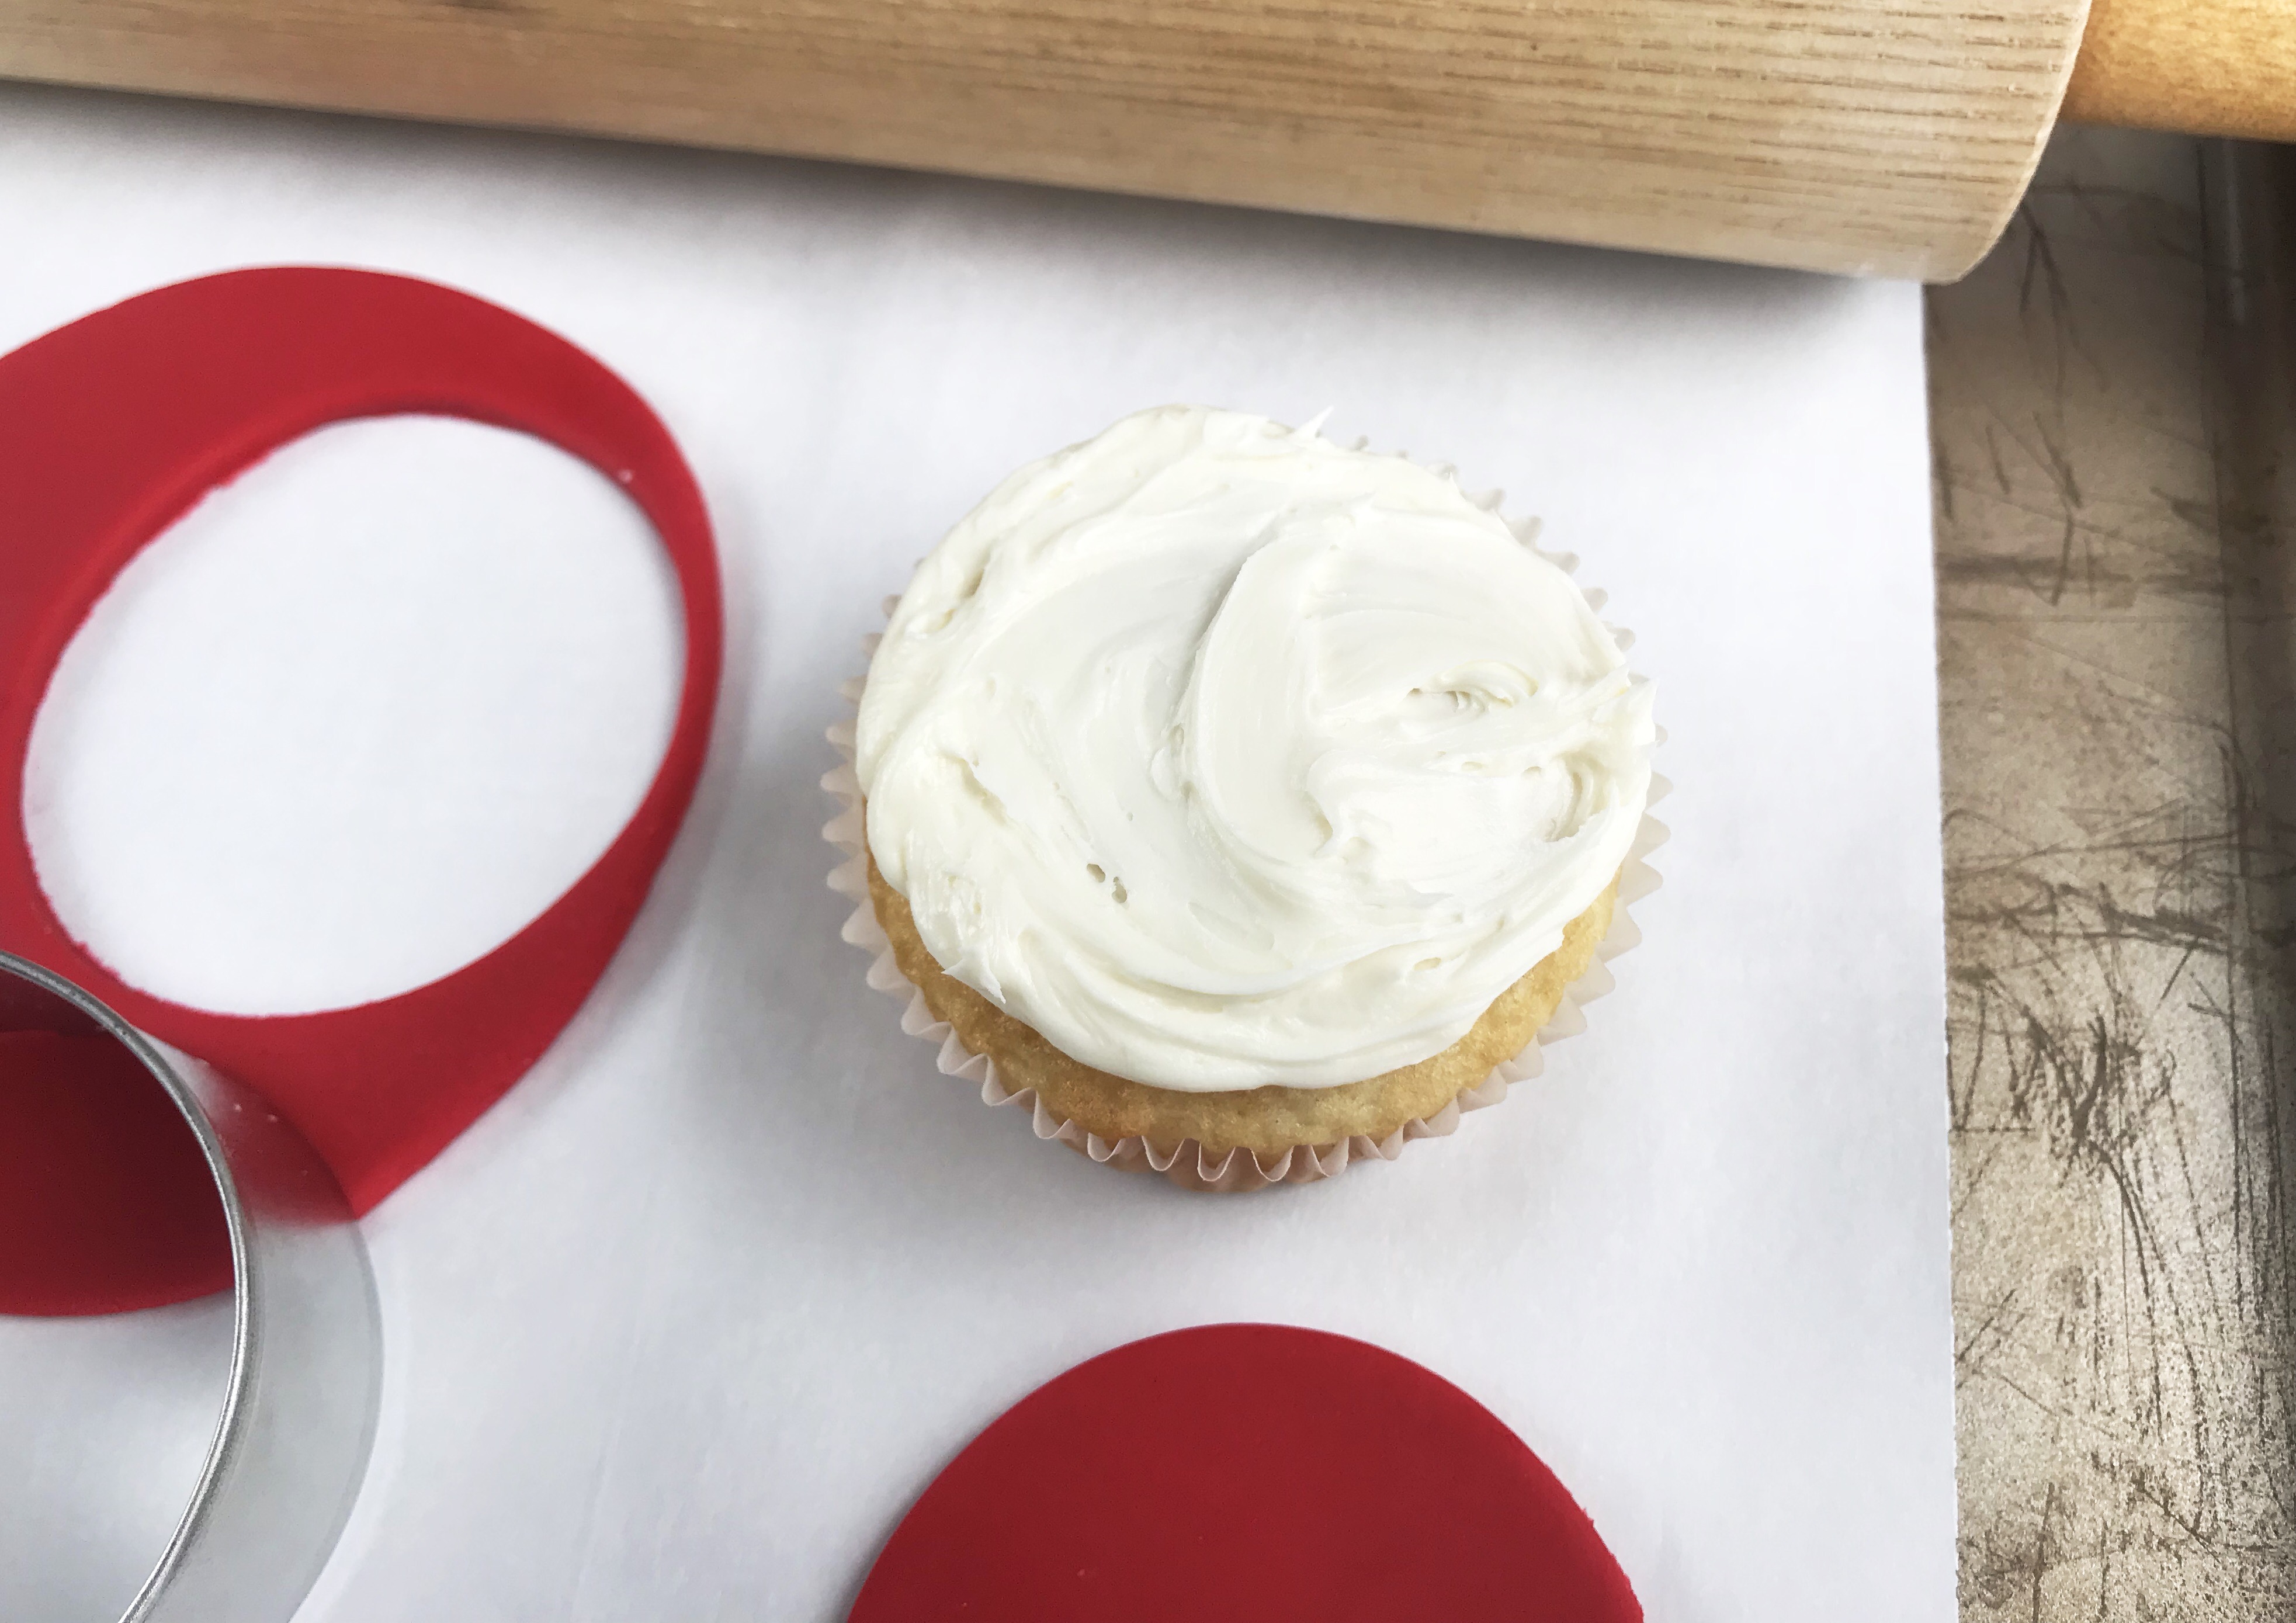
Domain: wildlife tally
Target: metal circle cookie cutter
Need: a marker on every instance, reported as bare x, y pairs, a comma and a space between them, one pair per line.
298, 1408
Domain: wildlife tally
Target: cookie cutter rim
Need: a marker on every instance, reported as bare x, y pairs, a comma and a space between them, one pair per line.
297, 1419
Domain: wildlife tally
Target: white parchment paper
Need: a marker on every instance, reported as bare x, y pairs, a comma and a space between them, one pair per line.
681, 1328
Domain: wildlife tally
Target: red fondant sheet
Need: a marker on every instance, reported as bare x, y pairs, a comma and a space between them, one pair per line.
112, 427
1247, 1471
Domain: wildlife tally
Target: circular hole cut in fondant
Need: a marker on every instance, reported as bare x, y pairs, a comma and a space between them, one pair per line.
357, 718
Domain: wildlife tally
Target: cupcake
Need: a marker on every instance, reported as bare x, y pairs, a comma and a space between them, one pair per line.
1239, 797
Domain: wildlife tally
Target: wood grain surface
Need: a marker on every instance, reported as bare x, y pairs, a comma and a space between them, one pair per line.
2115, 455
1891, 137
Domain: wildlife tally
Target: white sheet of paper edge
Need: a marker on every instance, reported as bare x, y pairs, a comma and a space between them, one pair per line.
681, 1328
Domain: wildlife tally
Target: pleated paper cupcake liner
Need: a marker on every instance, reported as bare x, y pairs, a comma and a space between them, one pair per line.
1188, 1163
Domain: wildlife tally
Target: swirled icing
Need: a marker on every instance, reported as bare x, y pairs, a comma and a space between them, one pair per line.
1224, 756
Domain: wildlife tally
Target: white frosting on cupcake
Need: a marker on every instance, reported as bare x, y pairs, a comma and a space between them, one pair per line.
1224, 756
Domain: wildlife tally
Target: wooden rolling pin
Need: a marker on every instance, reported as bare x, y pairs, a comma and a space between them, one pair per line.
1883, 136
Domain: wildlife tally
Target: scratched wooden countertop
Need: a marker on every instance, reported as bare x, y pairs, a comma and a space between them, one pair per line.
2110, 409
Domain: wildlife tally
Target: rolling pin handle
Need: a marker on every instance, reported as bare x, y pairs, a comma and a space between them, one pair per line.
2197, 66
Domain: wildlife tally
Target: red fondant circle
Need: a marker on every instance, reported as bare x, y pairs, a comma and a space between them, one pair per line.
1247, 1471
110, 428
